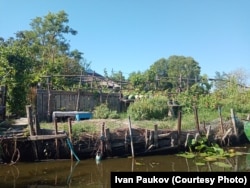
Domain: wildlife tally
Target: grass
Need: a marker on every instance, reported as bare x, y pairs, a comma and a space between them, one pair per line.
93, 126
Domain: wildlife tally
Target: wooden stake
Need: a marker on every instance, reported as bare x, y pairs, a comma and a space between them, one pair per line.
151, 138
78, 93
146, 138
125, 141
30, 122
37, 125
208, 132
108, 147
221, 123
234, 123
56, 141
179, 127
131, 138
226, 134
156, 136
34, 146
102, 139
196, 119
70, 137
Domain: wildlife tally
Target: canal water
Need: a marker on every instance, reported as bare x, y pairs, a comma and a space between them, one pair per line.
96, 174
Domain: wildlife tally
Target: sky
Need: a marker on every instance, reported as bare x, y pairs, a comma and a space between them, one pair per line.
131, 35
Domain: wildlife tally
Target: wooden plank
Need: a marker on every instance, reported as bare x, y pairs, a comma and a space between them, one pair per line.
47, 137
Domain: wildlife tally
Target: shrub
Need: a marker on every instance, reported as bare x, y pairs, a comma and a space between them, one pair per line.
149, 108
103, 112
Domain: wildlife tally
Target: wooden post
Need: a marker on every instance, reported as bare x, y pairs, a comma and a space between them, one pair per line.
31, 128
131, 138
187, 139
179, 126
49, 99
151, 138
56, 140
221, 122
37, 125
70, 136
208, 132
126, 141
146, 138
156, 136
248, 117
234, 123
108, 147
29, 117
225, 135
78, 94
34, 146
102, 139
196, 119
132, 164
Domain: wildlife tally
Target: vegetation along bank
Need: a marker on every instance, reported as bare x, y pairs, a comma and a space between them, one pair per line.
168, 108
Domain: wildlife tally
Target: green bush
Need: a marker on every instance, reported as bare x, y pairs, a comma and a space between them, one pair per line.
103, 112
149, 108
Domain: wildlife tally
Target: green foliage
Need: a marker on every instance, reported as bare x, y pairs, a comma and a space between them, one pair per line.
114, 115
187, 100
103, 112
148, 108
138, 81
36, 53
44, 51
16, 77
203, 152
185, 67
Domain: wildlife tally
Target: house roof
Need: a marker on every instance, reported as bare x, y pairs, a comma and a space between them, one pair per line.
103, 81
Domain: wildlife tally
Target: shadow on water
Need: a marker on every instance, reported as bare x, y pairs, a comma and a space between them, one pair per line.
91, 173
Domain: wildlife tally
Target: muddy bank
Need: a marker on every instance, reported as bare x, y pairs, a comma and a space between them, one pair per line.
18, 145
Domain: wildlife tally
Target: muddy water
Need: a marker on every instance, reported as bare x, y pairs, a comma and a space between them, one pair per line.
89, 173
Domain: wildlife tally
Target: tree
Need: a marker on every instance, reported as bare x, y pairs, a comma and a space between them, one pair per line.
159, 68
240, 76
138, 81
183, 71
49, 48
220, 80
15, 74
158, 74
117, 76
33, 54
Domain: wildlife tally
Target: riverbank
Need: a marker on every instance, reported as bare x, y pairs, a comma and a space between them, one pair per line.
109, 138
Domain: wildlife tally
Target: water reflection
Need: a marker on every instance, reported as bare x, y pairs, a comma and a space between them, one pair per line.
91, 173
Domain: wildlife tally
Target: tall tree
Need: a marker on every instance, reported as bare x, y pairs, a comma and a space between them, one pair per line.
236, 77
183, 71
240, 76
49, 48
159, 68
15, 67
158, 75
138, 81
41, 51
220, 80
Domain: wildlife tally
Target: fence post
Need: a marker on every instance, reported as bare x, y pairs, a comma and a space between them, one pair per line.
131, 139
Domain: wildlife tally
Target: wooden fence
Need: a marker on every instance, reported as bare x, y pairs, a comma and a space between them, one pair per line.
49, 101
